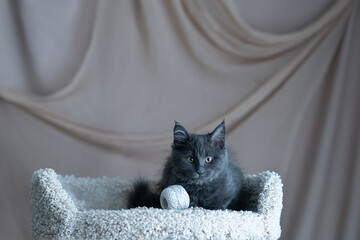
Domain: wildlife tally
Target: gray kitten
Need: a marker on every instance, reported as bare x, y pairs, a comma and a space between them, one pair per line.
202, 165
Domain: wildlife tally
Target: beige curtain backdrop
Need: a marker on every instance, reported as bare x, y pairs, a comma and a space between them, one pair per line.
92, 88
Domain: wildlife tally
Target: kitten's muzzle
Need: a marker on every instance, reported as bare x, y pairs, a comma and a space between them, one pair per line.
200, 170
195, 175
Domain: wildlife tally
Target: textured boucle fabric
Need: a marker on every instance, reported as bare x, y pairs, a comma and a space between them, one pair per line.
66, 207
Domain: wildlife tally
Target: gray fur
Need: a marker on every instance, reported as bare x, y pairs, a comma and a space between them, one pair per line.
213, 185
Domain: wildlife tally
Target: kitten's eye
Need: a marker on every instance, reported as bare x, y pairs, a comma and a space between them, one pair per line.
208, 159
190, 159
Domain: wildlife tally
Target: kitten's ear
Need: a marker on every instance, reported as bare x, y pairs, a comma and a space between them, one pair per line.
218, 136
180, 133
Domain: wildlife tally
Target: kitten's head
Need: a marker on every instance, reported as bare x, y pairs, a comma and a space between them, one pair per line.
199, 158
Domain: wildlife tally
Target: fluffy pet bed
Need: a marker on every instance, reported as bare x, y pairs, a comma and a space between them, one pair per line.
66, 207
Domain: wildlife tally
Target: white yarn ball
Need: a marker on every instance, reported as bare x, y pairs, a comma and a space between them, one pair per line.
174, 197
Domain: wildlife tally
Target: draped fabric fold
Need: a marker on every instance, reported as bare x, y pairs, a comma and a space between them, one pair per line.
316, 32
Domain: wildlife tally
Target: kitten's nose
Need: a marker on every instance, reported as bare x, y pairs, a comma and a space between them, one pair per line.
195, 175
200, 171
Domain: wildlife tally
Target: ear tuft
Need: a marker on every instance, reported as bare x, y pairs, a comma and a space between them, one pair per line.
180, 133
218, 136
